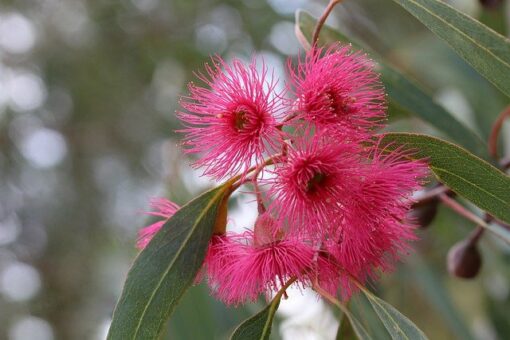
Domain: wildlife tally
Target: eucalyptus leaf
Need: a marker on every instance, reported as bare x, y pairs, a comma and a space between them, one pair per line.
353, 326
484, 49
398, 325
358, 327
405, 96
258, 327
433, 288
165, 269
463, 172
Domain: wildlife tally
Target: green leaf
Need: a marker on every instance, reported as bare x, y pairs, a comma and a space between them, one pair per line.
350, 327
362, 309
433, 288
484, 49
358, 327
405, 96
398, 326
345, 331
164, 270
409, 96
466, 174
258, 327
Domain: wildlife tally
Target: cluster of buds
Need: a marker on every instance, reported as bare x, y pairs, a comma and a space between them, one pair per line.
333, 201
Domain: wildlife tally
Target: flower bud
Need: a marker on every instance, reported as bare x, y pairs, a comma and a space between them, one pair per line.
491, 4
266, 230
424, 214
464, 260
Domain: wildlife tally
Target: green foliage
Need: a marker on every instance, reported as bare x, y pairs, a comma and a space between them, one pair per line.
466, 174
405, 96
258, 327
398, 326
356, 326
484, 49
165, 269
437, 296
345, 330
408, 95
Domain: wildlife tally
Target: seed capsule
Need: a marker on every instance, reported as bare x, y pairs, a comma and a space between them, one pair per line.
424, 214
464, 260
491, 4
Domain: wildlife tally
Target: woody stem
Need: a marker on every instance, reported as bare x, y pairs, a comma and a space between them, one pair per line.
241, 179
459, 209
260, 203
329, 297
496, 129
322, 20
431, 195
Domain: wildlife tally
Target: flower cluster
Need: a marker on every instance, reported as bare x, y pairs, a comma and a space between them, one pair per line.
333, 202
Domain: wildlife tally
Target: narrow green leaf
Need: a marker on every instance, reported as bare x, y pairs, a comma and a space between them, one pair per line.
343, 330
408, 95
466, 174
354, 325
258, 327
405, 96
362, 309
164, 270
398, 326
484, 49
433, 288
358, 327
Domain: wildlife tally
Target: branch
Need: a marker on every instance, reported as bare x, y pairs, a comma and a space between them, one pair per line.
322, 20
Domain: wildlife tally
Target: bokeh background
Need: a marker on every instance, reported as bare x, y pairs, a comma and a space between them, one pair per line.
88, 91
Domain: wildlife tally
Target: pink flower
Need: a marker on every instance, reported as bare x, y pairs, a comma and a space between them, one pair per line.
337, 88
374, 230
330, 276
312, 182
353, 202
232, 122
164, 209
216, 258
249, 268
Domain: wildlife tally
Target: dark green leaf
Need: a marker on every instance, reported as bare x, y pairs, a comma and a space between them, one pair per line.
360, 307
358, 327
345, 331
484, 49
258, 327
165, 269
466, 174
437, 295
353, 325
409, 96
397, 325
405, 96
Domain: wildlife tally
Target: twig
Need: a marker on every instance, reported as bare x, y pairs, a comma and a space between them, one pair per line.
458, 208
283, 290
505, 163
329, 297
322, 20
260, 202
241, 179
431, 195
475, 235
496, 129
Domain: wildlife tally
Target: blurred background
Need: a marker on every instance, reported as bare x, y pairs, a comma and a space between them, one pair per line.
88, 91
